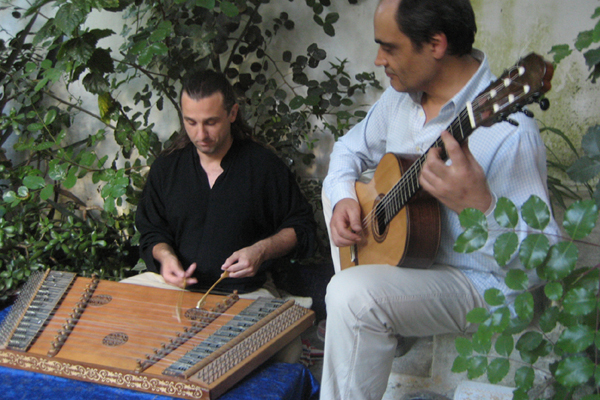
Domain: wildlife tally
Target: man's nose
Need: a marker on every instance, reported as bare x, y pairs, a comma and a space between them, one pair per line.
380, 60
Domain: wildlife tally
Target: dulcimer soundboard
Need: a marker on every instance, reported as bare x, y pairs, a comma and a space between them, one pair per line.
131, 336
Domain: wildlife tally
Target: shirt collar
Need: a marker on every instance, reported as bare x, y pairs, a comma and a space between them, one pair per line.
478, 82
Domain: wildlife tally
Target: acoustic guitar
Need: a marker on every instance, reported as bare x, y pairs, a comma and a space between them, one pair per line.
401, 224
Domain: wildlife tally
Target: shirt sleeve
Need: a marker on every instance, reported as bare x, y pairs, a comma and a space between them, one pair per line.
357, 151
290, 209
150, 218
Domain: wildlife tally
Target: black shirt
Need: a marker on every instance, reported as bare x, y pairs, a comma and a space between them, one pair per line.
255, 197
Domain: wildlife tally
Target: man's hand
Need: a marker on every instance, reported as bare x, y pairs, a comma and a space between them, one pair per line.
460, 185
170, 267
346, 223
245, 262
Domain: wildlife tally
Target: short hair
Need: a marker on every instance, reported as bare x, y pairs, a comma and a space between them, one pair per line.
202, 83
420, 20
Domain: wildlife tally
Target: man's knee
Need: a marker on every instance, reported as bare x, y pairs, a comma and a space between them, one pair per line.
347, 289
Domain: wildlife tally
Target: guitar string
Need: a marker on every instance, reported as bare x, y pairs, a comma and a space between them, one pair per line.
411, 175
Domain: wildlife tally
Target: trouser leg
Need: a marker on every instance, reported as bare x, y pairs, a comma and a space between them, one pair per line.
367, 306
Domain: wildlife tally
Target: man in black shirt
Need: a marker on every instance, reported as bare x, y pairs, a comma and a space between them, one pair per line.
217, 201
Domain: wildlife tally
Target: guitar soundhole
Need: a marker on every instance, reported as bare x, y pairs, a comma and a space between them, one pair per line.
379, 224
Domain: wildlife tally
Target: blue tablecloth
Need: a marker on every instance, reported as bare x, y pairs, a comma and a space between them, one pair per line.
272, 381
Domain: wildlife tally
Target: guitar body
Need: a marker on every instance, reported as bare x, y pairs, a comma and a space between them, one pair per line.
410, 239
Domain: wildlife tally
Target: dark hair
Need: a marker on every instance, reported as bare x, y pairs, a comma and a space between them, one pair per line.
200, 84
420, 20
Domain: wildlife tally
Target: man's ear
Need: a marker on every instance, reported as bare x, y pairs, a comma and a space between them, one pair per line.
439, 45
233, 113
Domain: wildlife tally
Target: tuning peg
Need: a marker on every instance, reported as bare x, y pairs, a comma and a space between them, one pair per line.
512, 122
528, 113
544, 104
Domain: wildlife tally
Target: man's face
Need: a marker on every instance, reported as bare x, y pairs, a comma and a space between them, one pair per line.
208, 124
409, 70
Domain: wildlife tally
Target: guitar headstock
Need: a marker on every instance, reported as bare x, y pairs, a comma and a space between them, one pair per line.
518, 86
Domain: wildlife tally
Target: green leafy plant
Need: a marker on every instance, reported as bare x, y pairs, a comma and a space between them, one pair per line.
562, 343
584, 41
586, 169
71, 168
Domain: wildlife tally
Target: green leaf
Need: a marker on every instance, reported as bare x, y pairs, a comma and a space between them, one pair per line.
560, 51
529, 341
47, 192
208, 4
460, 364
584, 40
591, 140
517, 279
71, 179
549, 318
477, 315
584, 169
534, 250
553, 290
536, 213
297, 102
58, 171
499, 320
494, 297
229, 9
576, 338
470, 217
505, 246
574, 371
580, 218
150, 51
506, 214
34, 182
23, 191
504, 345
476, 366
524, 378
68, 17
463, 346
141, 140
579, 301
561, 261
497, 370
332, 18
524, 306
472, 239
50, 116
161, 32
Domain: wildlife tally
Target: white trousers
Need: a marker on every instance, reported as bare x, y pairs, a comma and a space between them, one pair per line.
369, 306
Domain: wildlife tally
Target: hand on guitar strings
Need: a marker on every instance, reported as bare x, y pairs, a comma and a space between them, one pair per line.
346, 223
459, 185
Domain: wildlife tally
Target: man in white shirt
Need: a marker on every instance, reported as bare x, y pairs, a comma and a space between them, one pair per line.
426, 49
